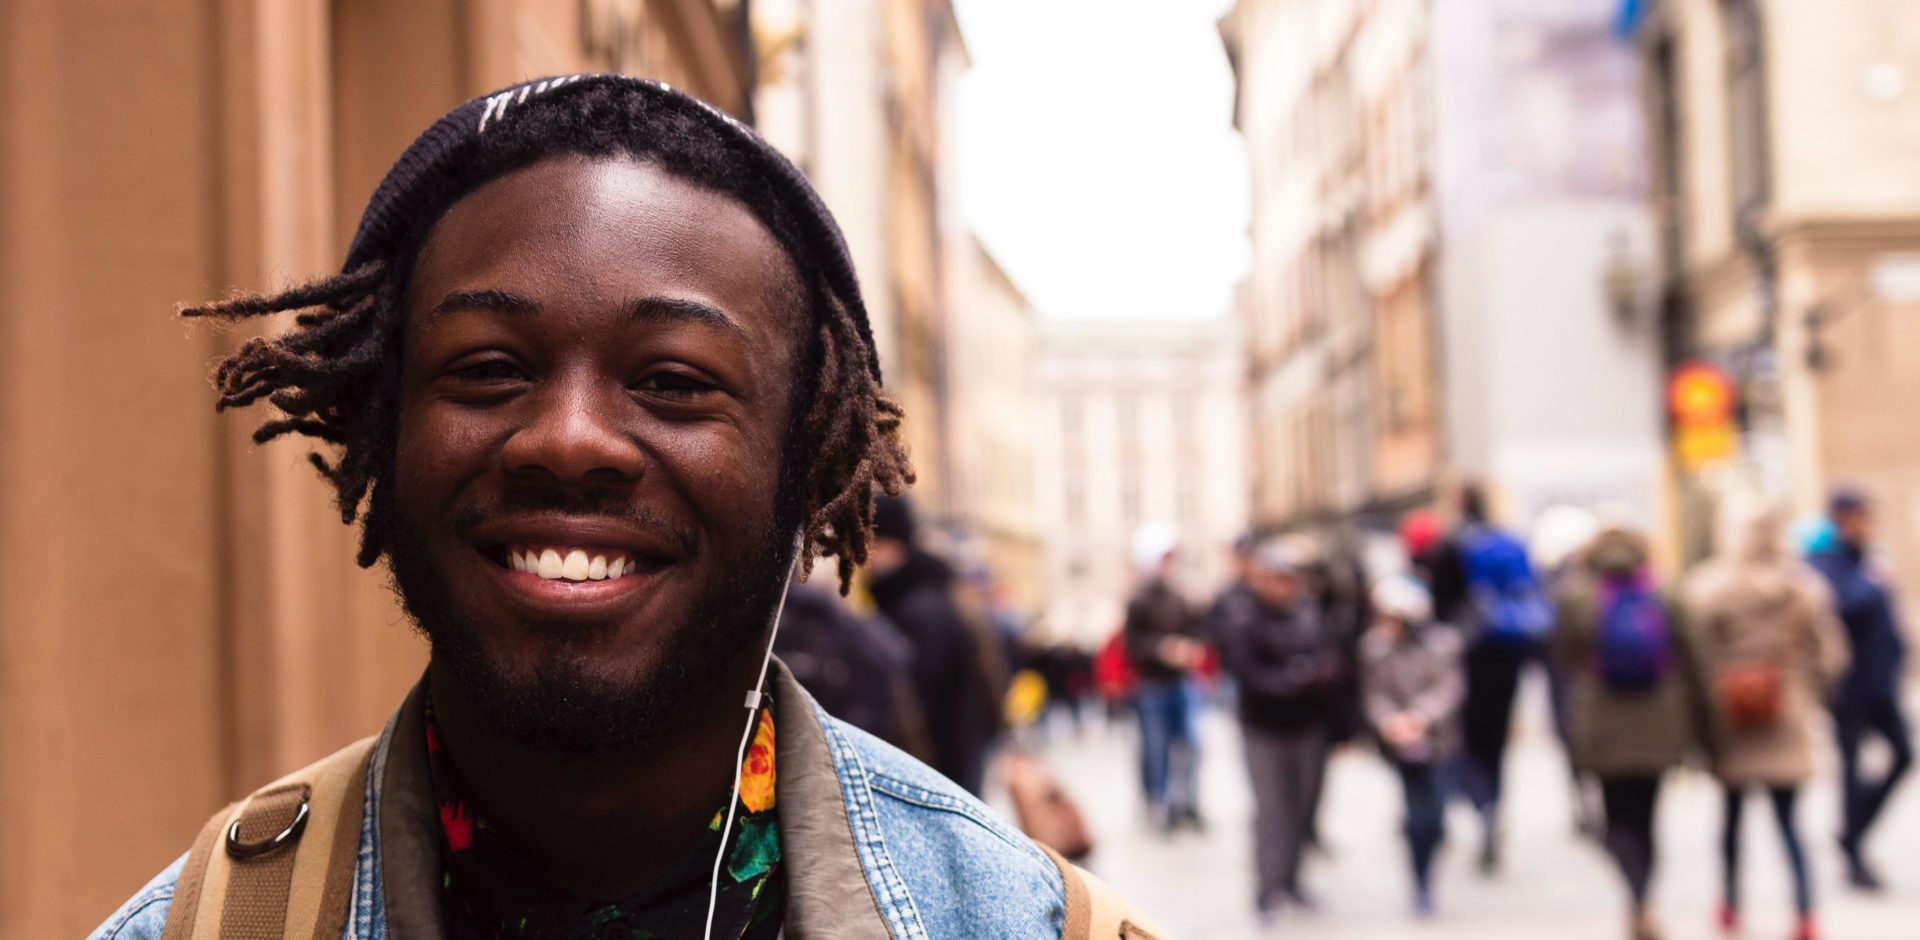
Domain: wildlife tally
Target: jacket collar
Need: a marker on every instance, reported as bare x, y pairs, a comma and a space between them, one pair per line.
828, 895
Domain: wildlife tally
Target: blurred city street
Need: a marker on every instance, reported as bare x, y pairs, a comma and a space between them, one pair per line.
1554, 883
1364, 355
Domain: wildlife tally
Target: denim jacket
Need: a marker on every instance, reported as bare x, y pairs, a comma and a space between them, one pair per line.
878, 846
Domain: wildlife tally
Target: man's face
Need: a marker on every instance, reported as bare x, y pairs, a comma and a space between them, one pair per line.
1855, 526
1276, 588
596, 372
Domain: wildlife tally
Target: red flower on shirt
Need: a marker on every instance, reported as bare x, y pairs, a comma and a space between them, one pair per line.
457, 825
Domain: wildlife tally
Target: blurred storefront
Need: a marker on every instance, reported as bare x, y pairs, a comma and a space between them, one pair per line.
180, 618
1789, 210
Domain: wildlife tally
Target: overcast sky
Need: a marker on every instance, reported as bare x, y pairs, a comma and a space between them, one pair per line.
1097, 155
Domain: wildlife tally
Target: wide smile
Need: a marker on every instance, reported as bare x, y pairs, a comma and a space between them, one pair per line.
571, 579
572, 568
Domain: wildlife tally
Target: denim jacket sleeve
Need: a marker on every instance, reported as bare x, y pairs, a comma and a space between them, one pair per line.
145, 914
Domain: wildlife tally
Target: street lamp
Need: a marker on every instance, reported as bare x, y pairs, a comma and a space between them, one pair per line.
1894, 278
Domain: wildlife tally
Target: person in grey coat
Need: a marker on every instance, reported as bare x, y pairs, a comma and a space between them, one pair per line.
1288, 664
1412, 685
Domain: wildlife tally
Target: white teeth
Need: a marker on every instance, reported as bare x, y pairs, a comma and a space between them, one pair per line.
575, 565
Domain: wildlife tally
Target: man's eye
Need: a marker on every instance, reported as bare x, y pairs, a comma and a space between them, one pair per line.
489, 370
673, 384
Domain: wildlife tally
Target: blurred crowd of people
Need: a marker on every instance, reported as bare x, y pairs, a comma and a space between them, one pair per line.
1729, 666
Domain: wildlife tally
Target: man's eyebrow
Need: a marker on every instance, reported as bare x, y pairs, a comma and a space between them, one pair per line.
498, 301
684, 310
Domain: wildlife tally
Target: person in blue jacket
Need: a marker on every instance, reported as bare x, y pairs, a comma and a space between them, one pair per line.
1867, 701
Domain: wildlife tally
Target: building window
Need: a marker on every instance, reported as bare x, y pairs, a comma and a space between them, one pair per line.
1746, 115
1070, 414
1669, 192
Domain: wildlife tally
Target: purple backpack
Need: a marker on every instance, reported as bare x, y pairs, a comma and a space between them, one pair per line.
1634, 647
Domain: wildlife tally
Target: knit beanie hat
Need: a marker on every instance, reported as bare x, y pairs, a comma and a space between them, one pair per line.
604, 115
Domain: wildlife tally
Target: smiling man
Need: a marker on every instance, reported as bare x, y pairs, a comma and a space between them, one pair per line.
598, 376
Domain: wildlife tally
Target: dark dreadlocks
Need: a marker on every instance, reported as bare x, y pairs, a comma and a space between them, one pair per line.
335, 376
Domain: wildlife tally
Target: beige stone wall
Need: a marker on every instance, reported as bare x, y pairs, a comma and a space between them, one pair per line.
1843, 123
1845, 115
180, 618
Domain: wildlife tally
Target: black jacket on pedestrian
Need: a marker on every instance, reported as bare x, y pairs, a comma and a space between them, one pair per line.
949, 671
860, 669
1446, 576
1289, 663
1873, 629
1155, 613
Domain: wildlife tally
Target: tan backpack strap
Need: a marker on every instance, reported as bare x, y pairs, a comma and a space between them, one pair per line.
1095, 912
279, 863
180, 916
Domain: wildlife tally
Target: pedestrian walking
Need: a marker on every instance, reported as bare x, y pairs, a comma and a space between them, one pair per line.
1161, 636
957, 661
1762, 625
1412, 688
1634, 709
1287, 664
1867, 703
1500, 603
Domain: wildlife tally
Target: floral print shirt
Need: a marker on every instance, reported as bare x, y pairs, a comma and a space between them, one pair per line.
488, 893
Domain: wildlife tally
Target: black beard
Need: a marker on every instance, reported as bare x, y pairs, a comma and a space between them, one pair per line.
567, 714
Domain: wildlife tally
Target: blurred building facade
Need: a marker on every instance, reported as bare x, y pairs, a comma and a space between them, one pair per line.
182, 618
859, 94
1440, 190
1141, 421
1553, 362
1783, 143
1332, 99
992, 353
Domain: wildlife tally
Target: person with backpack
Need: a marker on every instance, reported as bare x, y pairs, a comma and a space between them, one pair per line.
1769, 649
1411, 690
1504, 611
1633, 709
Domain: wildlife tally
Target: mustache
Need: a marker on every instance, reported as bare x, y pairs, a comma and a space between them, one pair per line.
602, 503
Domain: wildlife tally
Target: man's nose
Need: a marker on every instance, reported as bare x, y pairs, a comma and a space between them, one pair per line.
577, 434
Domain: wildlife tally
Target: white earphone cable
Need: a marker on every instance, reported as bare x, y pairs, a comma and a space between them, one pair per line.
754, 697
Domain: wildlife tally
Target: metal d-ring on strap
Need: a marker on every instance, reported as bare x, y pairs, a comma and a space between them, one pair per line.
239, 849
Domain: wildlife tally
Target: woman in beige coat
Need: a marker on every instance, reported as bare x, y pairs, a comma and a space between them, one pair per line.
1762, 625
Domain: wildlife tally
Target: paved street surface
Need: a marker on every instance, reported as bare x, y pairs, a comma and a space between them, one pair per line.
1199, 885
